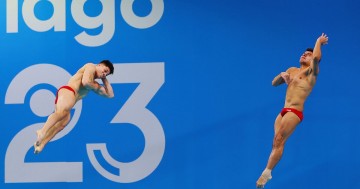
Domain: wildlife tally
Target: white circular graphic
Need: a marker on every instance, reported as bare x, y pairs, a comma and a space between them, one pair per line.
40, 103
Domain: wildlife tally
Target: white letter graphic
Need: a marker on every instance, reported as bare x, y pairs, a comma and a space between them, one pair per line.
12, 16
142, 22
57, 21
106, 19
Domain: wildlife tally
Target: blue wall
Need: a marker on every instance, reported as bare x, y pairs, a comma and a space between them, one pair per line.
207, 68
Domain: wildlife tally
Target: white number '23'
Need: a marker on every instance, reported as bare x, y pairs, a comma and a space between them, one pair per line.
150, 77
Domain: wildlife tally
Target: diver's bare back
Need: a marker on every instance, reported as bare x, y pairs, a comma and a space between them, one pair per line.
302, 82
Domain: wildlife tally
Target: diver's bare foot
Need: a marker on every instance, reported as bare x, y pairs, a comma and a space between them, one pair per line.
37, 148
260, 183
40, 137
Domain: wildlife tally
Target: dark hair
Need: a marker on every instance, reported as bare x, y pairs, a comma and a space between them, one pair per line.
310, 49
109, 65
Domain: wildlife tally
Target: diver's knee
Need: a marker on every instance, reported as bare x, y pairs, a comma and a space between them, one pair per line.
279, 141
62, 114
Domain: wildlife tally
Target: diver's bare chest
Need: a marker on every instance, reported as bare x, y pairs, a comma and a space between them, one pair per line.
300, 74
